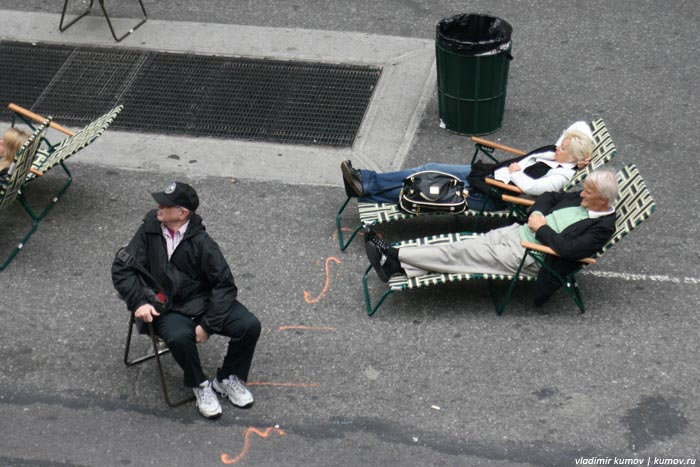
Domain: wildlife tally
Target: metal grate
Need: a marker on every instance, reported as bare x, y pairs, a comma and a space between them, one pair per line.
185, 94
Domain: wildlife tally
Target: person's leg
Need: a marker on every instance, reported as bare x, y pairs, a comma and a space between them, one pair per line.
460, 171
385, 187
178, 333
496, 252
243, 328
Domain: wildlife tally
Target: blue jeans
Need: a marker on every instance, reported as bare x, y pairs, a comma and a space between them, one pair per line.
385, 187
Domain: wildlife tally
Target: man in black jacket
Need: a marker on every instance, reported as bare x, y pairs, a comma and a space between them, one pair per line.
575, 225
190, 276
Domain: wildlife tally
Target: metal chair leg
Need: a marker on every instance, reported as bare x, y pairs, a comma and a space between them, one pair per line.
343, 245
61, 27
156, 354
109, 22
368, 303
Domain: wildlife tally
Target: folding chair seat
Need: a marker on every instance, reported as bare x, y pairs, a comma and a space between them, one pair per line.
56, 154
158, 348
62, 28
633, 205
515, 208
12, 188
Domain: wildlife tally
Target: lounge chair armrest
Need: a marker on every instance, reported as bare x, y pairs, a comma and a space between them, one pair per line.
504, 186
37, 172
37, 118
516, 200
502, 147
549, 251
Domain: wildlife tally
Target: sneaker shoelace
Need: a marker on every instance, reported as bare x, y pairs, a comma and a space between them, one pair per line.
236, 385
206, 395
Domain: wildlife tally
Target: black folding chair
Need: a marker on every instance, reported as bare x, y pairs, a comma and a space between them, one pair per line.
62, 28
159, 349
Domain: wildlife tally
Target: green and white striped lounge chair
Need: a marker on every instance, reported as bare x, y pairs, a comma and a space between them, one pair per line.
378, 213
56, 154
633, 205
12, 188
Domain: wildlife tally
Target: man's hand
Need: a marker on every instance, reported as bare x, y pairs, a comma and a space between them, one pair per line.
514, 167
200, 334
146, 313
535, 221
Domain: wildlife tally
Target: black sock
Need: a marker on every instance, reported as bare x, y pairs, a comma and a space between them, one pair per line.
392, 253
392, 266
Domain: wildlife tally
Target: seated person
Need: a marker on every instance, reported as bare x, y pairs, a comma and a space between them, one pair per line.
11, 141
575, 225
545, 169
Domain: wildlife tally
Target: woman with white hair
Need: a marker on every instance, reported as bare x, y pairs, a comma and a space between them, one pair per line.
545, 169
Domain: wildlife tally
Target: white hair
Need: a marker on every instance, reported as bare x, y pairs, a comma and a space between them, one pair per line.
580, 145
605, 182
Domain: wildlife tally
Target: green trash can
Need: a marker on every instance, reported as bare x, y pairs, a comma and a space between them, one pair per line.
473, 57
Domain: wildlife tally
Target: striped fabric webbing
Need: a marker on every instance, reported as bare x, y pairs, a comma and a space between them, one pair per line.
69, 146
633, 205
401, 282
603, 152
20, 166
371, 213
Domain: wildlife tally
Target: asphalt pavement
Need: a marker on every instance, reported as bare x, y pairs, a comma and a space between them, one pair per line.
435, 377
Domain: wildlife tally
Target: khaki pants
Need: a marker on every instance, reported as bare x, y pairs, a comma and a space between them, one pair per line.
496, 252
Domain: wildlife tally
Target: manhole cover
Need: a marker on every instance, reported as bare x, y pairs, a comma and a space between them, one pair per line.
185, 94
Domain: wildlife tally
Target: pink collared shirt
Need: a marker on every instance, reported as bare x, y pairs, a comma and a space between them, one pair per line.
173, 239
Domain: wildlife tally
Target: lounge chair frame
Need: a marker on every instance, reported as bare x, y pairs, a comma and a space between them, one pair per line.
633, 205
12, 190
56, 154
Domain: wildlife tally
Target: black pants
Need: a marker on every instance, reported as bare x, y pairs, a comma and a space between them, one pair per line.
240, 325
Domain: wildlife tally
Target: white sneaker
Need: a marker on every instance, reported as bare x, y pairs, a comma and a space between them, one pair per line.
233, 388
207, 402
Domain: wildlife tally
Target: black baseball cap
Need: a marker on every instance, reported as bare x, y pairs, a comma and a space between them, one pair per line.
178, 194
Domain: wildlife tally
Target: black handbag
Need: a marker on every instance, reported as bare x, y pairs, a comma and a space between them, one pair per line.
431, 192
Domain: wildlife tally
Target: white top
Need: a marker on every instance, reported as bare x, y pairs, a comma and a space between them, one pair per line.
558, 176
171, 242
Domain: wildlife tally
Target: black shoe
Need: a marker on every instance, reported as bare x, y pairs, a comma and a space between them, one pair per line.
372, 237
375, 258
352, 179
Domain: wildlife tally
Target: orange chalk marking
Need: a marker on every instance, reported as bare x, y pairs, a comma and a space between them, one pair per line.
246, 442
289, 385
307, 295
307, 328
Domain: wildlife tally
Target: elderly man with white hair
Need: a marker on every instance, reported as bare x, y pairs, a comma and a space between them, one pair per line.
575, 225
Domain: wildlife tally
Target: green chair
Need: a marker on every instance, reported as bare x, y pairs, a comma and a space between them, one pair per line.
56, 154
515, 205
12, 188
633, 205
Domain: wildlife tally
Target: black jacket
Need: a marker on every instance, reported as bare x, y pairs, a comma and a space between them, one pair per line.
579, 240
197, 278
